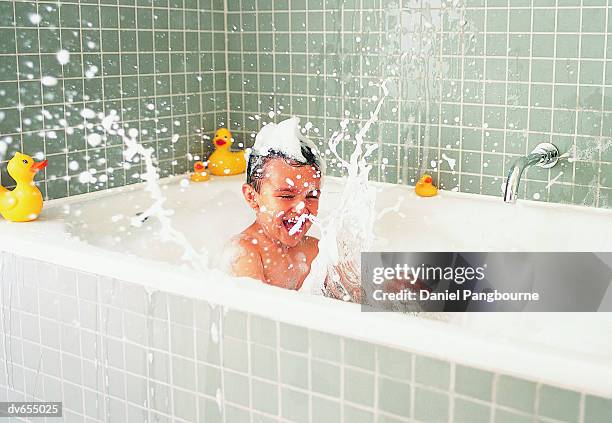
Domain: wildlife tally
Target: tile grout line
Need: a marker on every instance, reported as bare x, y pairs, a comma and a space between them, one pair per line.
604, 112
120, 100
155, 81
494, 405
226, 51
506, 108
579, 111
451, 391
43, 101
101, 73
554, 77
529, 84
484, 125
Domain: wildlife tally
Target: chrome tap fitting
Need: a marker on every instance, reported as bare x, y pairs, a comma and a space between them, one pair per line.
545, 155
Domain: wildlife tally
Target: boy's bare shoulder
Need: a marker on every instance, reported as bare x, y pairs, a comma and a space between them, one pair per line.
246, 242
247, 258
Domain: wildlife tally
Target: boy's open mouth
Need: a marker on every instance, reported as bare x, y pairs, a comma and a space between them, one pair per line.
290, 223
295, 225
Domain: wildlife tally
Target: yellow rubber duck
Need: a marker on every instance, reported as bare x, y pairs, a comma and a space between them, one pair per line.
25, 202
223, 162
200, 174
425, 187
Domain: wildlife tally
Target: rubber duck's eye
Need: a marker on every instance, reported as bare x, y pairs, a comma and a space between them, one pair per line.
25, 161
225, 136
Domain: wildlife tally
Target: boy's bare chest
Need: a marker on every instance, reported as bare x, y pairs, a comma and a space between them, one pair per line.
286, 269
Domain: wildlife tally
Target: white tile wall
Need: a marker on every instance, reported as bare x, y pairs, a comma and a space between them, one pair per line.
113, 353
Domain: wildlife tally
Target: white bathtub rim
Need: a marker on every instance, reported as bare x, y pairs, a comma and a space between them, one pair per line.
420, 336
379, 185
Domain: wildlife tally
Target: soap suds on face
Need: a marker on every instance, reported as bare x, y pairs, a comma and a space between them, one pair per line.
300, 221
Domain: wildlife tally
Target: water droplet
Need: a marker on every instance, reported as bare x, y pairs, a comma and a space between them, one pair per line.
48, 81
63, 57
88, 113
91, 72
35, 18
94, 139
86, 177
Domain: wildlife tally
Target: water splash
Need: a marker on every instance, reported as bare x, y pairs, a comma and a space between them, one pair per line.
590, 151
425, 65
167, 232
451, 162
553, 180
300, 221
349, 229
392, 209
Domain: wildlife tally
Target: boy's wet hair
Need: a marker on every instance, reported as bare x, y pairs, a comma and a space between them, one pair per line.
257, 164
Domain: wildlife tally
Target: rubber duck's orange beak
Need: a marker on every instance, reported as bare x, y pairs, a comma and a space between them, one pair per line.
428, 180
219, 142
36, 166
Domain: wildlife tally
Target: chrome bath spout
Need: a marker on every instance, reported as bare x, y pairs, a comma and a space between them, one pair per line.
545, 155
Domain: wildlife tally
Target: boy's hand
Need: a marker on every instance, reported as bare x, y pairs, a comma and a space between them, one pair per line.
343, 282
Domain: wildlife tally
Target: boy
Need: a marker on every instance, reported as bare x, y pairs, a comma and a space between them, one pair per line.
283, 188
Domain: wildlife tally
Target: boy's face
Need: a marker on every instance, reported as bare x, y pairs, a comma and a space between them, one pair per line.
286, 193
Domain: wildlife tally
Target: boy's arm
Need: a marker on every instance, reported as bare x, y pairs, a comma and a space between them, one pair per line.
248, 262
343, 282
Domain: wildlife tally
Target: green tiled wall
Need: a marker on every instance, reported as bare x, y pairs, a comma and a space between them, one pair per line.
150, 60
473, 85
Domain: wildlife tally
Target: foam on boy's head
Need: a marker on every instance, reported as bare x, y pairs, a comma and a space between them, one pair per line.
283, 137
281, 140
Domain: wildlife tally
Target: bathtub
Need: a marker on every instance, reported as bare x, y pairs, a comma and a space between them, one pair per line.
104, 316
